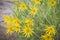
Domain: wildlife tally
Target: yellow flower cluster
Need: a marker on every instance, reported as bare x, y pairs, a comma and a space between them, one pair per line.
12, 24
28, 30
50, 31
34, 10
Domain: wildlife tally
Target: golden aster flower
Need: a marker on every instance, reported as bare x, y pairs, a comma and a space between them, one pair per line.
17, 29
16, 21
46, 37
52, 3
50, 30
29, 22
7, 19
22, 6
27, 31
9, 29
36, 1
33, 11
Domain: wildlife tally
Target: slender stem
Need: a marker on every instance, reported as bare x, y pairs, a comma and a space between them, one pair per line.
37, 35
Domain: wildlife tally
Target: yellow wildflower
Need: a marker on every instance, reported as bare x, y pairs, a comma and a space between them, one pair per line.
7, 19
36, 1
33, 11
29, 22
9, 29
16, 21
52, 3
50, 30
22, 6
27, 31
46, 37
17, 28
